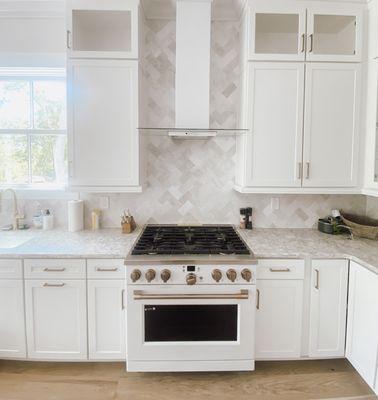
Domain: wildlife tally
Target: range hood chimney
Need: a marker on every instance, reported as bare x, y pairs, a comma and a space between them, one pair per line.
193, 31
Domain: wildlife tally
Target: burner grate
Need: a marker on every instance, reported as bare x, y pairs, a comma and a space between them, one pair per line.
204, 240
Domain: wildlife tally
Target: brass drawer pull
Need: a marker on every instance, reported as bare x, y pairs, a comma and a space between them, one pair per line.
53, 284
123, 299
140, 295
99, 269
279, 270
258, 299
47, 269
316, 279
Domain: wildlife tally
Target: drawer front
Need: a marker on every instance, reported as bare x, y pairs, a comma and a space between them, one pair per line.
281, 269
55, 269
10, 269
106, 269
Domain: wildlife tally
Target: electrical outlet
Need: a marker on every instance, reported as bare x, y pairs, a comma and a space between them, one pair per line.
275, 203
104, 202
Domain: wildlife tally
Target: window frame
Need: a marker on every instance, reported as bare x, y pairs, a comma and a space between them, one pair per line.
30, 75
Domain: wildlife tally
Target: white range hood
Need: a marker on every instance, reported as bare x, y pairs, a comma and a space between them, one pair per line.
193, 41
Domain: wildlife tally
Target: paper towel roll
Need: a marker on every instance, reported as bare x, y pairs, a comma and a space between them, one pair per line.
75, 215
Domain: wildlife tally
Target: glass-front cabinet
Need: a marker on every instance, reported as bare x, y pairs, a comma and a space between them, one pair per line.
292, 33
102, 29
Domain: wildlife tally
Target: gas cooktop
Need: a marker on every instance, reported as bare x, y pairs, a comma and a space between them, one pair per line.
186, 240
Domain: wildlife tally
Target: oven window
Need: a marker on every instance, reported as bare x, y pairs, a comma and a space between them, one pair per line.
186, 323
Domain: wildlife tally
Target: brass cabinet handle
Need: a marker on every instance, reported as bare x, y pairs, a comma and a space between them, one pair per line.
47, 269
316, 279
300, 170
307, 170
303, 43
53, 284
106, 269
68, 39
123, 299
258, 299
140, 295
311, 43
279, 270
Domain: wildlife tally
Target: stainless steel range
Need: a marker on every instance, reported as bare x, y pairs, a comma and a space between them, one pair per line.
190, 300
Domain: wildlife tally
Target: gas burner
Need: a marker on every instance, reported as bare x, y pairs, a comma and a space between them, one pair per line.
200, 240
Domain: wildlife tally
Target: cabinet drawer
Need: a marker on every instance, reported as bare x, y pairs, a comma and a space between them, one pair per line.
10, 269
280, 269
106, 269
54, 269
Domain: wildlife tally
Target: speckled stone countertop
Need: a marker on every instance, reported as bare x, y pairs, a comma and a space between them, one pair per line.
265, 243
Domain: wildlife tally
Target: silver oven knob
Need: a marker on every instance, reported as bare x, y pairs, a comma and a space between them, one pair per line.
165, 275
150, 275
231, 275
217, 275
246, 274
191, 279
135, 275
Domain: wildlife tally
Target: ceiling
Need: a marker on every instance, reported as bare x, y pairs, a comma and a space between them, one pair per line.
166, 9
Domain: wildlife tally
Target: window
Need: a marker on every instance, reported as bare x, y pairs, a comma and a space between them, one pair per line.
33, 135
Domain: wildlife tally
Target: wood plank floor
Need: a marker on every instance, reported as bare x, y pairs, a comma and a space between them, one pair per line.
295, 380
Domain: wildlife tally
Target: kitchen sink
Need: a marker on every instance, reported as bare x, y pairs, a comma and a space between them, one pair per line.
12, 241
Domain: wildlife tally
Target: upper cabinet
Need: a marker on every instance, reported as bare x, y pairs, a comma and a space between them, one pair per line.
334, 35
102, 29
279, 33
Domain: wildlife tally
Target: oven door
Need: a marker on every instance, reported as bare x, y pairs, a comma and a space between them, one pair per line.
214, 322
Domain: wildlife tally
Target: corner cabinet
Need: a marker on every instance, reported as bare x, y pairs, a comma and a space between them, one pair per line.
103, 120
328, 307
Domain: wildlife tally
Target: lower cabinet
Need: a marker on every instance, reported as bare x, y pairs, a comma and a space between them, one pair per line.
328, 305
106, 320
362, 330
279, 309
12, 319
56, 320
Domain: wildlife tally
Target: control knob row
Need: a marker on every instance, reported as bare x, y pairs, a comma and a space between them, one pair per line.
231, 274
150, 275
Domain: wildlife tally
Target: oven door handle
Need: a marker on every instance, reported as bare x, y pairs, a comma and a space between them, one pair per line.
140, 295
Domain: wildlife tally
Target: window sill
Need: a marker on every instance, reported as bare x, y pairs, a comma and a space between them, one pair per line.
53, 193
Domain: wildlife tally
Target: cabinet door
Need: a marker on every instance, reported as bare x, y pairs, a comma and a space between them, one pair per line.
331, 125
56, 323
334, 34
362, 329
328, 304
275, 107
103, 117
276, 33
102, 29
12, 319
106, 320
279, 319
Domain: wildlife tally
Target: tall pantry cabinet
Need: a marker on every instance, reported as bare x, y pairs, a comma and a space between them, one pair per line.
301, 82
102, 49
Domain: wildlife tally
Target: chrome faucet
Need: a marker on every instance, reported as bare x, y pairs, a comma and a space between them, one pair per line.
349, 229
16, 215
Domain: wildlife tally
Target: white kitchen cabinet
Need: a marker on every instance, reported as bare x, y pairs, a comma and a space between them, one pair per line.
332, 124
279, 319
102, 29
328, 305
362, 328
272, 153
276, 32
56, 319
290, 32
12, 319
103, 120
106, 320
